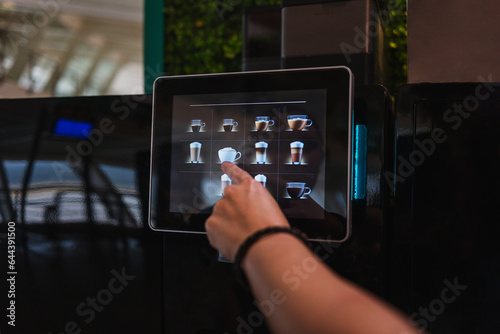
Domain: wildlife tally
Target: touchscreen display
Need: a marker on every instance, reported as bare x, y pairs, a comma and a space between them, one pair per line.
292, 137
277, 137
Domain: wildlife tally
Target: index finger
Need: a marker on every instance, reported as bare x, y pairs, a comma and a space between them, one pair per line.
236, 174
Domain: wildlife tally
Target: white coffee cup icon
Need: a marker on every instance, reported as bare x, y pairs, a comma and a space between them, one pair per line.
229, 154
225, 181
261, 178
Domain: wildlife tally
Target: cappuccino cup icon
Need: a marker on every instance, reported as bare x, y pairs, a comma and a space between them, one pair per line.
298, 122
229, 154
262, 123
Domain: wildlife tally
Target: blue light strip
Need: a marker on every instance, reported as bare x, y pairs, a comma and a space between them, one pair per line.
359, 178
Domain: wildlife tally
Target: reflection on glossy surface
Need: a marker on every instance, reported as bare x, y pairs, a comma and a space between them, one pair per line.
80, 208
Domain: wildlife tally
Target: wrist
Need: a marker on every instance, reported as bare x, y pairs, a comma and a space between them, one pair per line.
265, 238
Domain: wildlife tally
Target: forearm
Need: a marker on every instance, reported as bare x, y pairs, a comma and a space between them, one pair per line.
301, 295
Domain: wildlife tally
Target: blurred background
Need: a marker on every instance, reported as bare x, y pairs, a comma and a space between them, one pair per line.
70, 48
90, 47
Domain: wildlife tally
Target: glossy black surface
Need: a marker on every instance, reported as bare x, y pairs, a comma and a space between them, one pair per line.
86, 260
445, 260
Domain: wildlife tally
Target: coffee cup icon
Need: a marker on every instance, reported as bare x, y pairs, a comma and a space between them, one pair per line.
261, 178
261, 152
195, 149
262, 123
296, 149
297, 189
196, 125
225, 181
229, 154
228, 124
298, 122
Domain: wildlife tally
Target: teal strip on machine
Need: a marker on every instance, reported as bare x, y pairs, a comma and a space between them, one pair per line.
359, 166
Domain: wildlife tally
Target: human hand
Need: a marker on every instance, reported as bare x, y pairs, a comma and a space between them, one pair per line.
245, 208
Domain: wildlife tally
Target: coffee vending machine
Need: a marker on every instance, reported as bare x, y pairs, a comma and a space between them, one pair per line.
274, 125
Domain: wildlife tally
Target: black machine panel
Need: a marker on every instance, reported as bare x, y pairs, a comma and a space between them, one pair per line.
445, 259
73, 189
195, 280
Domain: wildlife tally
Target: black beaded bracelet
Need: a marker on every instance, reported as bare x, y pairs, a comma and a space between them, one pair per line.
252, 239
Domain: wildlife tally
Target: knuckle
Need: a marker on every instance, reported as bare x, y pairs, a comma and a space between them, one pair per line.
248, 182
229, 191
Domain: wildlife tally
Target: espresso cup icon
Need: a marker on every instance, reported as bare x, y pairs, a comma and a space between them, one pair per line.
196, 125
228, 124
261, 152
296, 149
262, 123
298, 122
297, 189
225, 181
195, 149
229, 154
261, 178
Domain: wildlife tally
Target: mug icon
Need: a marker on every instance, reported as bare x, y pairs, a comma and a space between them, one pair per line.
298, 122
262, 123
228, 124
229, 154
196, 125
297, 189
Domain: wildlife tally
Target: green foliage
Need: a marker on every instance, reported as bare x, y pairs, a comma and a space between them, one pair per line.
205, 36
395, 40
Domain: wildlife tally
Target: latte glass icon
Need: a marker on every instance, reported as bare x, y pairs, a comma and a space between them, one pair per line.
261, 178
262, 123
225, 181
229, 154
298, 122
297, 189
196, 125
195, 149
261, 152
296, 149
228, 124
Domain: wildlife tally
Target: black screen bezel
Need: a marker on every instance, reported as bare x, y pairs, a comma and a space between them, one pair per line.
337, 81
